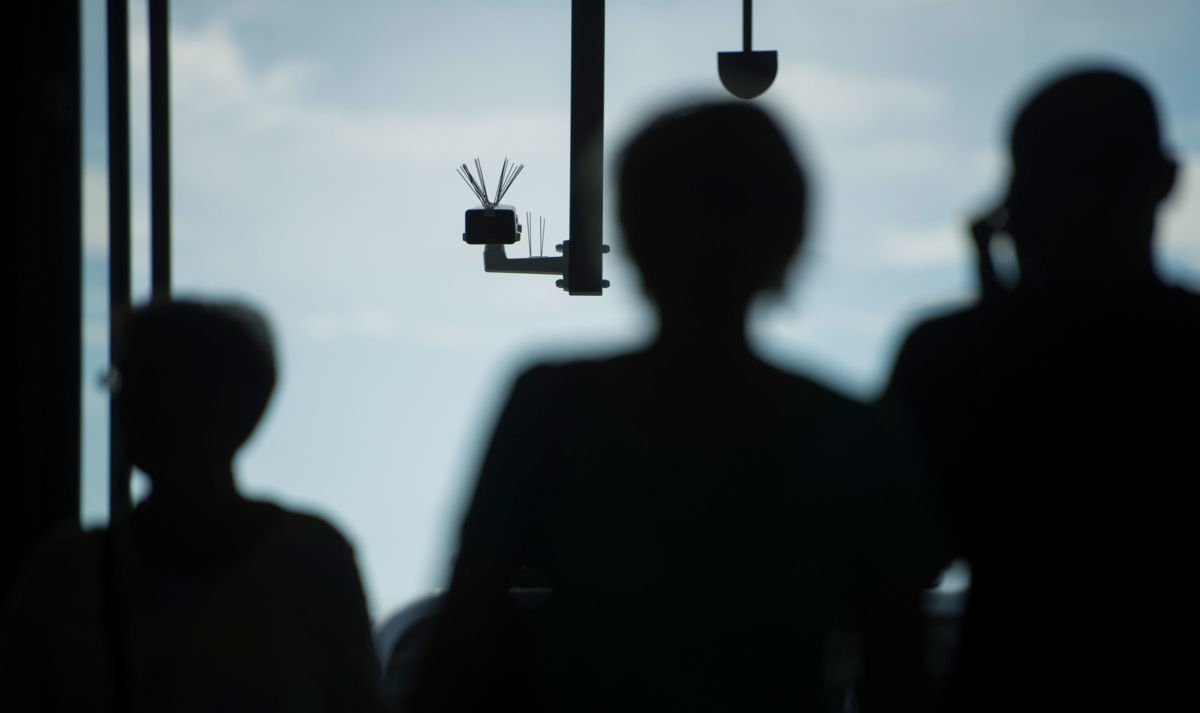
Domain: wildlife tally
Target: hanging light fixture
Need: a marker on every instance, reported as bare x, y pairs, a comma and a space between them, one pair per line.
748, 73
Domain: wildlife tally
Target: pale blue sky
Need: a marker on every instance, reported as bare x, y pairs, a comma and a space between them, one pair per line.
314, 146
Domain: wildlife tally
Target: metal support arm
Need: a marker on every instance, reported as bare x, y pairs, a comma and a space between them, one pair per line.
496, 260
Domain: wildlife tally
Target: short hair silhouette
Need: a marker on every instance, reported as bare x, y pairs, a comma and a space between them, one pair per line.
712, 201
1088, 167
198, 595
195, 379
701, 518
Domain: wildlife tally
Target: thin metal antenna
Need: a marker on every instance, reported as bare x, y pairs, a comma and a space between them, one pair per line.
529, 237
500, 182
464, 174
541, 237
513, 177
507, 179
482, 182
508, 174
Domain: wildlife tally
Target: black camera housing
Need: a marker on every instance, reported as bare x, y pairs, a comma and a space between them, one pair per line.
492, 226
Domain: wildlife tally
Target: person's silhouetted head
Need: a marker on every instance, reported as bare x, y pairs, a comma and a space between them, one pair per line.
1088, 173
195, 379
712, 203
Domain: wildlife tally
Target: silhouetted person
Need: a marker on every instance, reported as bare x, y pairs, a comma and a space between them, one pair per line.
701, 516
1060, 418
203, 600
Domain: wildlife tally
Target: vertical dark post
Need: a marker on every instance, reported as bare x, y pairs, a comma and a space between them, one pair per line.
746, 24
584, 264
118, 236
160, 150
40, 277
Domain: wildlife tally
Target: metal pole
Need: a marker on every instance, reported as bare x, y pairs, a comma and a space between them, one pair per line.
746, 24
160, 150
118, 237
584, 264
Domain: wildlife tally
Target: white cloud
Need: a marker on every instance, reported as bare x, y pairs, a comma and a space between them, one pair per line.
899, 4
946, 244
1189, 133
95, 333
791, 326
363, 321
377, 323
1180, 219
890, 158
940, 245
990, 163
95, 211
446, 335
215, 85
838, 102
312, 190
95, 223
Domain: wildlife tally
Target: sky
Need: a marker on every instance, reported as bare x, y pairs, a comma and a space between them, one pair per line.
313, 153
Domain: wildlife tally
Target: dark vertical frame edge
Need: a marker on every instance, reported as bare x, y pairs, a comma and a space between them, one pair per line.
585, 262
118, 236
160, 149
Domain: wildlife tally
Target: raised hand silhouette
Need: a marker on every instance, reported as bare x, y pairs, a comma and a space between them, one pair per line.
1056, 416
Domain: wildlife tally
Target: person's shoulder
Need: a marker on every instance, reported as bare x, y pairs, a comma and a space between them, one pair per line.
1160, 317
1175, 322
568, 377
1186, 293
952, 340
575, 368
550, 373
66, 565
826, 416
306, 555
813, 388
312, 567
69, 548
952, 324
305, 526
826, 402
307, 539
1184, 300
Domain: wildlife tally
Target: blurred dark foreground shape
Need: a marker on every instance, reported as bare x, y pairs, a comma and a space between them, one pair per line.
700, 519
203, 600
1061, 417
